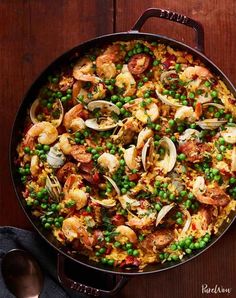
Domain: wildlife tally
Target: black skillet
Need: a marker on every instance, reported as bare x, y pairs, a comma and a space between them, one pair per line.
63, 252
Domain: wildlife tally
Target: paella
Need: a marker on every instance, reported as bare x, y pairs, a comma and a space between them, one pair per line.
128, 154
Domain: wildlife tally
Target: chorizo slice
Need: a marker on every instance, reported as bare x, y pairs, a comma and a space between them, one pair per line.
194, 151
157, 240
214, 196
65, 171
139, 63
79, 153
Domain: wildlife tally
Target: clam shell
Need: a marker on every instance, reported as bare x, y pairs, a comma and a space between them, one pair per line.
106, 107
103, 105
188, 221
169, 159
55, 122
53, 187
144, 135
229, 135
55, 157
127, 202
108, 203
147, 157
168, 100
210, 124
162, 213
113, 184
189, 134
216, 105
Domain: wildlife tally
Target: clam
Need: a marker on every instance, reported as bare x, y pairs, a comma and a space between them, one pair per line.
229, 135
55, 157
162, 213
108, 203
210, 124
107, 121
168, 100
113, 184
53, 187
233, 162
130, 157
147, 154
168, 162
185, 112
188, 220
57, 109
189, 134
199, 186
169, 76
128, 203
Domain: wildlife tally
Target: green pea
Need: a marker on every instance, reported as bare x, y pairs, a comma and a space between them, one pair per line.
102, 250
158, 127
172, 197
183, 193
188, 250
46, 148
191, 95
110, 262
117, 244
171, 123
130, 252
202, 244
177, 67
188, 204
158, 206
183, 97
156, 62
173, 247
179, 221
214, 93
47, 225
182, 156
165, 92
219, 157
27, 150
207, 84
110, 87
104, 260
135, 253
232, 180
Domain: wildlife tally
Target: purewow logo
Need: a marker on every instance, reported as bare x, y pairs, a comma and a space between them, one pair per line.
217, 289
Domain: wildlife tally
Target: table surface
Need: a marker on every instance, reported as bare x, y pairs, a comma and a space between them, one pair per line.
33, 33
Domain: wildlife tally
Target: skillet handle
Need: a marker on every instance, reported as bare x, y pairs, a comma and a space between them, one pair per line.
81, 287
175, 17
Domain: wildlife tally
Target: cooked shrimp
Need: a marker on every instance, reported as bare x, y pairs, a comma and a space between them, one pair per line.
140, 223
34, 165
98, 91
109, 161
64, 143
130, 157
143, 136
83, 71
127, 131
143, 113
124, 234
196, 71
105, 67
73, 193
65, 171
73, 227
65, 83
44, 131
72, 118
126, 82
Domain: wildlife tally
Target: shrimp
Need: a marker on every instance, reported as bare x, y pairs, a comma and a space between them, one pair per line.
140, 223
125, 233
73, 227
126, 82
34, 165
84, 71
127, 131
44, 131
72, 118
143, 136
65, 171
64, 143
149, 111
130, 157
109, 161
98, 91
105, 67
65, 83
73, 193
196, 71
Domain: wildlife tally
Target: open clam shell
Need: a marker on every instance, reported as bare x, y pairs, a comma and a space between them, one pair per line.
57, 108
168, 100
113, 184
130, 157
147, 154
189, 134
106, 122
162, 213
169, 160
55, 157
210, 124
53, 187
